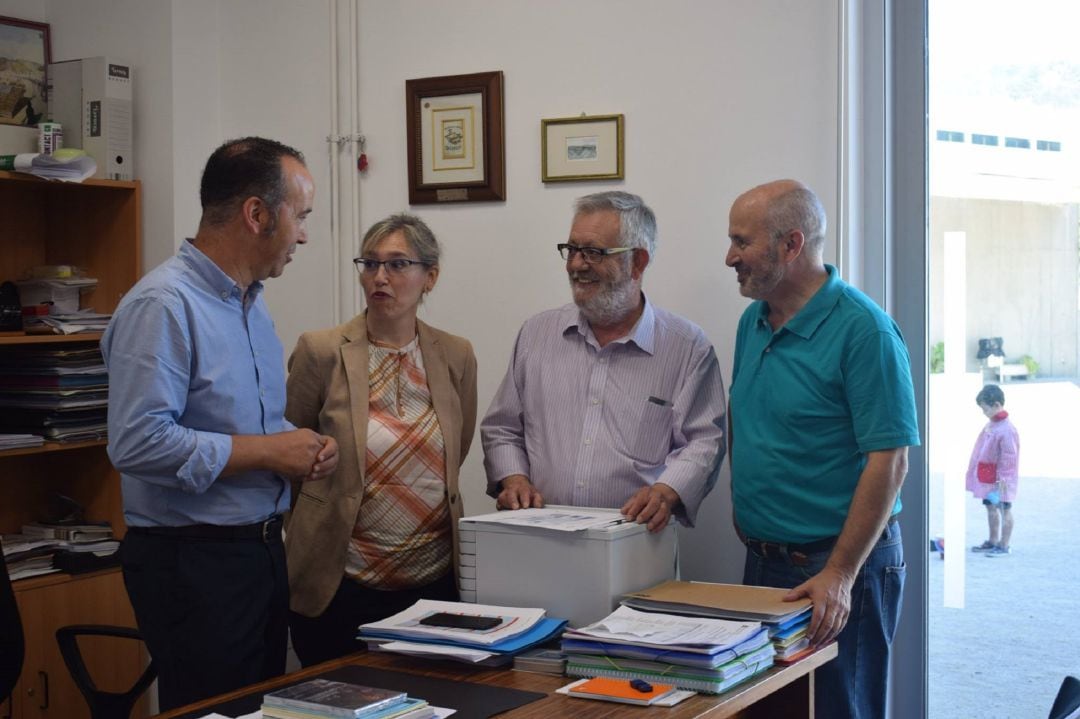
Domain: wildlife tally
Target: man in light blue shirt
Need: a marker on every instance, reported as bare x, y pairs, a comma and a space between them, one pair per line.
823, 412
609, 401
197, 431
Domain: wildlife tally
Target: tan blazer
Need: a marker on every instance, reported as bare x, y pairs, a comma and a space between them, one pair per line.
328, 392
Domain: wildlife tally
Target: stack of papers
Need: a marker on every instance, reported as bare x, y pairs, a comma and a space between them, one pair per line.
698, 653
514, 630
62, 293
787, 622
68, 323
42, 550
560, 519
73, 169
20, 441
59, 394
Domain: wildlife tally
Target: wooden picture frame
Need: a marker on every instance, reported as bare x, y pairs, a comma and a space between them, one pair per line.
578, 149
25, 55
455, 129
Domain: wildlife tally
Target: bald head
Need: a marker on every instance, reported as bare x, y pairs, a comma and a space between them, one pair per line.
786, 205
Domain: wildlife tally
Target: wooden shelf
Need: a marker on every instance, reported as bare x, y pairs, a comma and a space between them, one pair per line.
53, 447
94, 225
25, 177
55, 578
21, 338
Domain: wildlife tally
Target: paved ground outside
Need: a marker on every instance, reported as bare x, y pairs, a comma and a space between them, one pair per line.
1005, 653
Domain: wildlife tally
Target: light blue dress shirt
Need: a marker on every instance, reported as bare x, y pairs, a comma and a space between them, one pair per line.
191, 363
590, 426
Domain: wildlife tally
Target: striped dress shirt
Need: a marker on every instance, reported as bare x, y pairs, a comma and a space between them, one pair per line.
590, 426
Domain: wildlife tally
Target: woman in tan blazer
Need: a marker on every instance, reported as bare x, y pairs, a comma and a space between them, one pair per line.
399, 397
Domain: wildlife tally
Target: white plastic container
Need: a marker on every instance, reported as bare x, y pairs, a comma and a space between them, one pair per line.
578, 576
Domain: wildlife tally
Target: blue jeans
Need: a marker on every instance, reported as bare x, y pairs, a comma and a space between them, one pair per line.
855, 684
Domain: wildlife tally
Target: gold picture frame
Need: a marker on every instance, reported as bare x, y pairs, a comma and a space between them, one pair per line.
454, 126
579, 149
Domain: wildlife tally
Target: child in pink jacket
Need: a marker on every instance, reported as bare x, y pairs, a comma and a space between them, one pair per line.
992, 474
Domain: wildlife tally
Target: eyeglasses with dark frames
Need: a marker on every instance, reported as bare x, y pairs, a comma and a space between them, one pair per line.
396, 266
591, 255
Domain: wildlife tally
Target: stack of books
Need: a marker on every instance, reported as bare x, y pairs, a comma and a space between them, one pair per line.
695, 653
480, 634
325, 699
61, 394
787, 622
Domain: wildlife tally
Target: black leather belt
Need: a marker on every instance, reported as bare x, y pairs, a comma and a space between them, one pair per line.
797, 554
267, 531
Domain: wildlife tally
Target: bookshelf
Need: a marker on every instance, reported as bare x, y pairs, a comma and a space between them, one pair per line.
94, 225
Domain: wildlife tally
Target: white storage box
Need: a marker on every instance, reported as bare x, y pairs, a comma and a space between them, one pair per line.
578, 576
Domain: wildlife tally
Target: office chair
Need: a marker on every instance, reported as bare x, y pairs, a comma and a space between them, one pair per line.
103, 705
12, 644
1067, 703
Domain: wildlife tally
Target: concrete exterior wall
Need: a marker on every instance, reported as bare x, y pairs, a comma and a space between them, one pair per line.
1022, 278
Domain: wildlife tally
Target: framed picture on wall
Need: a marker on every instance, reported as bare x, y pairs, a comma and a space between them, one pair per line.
455, 134
589, 147
24, 60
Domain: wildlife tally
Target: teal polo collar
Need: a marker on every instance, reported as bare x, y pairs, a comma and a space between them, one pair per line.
809, 318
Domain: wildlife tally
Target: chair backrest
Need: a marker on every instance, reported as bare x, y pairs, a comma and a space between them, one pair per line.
1067, 703
12, 644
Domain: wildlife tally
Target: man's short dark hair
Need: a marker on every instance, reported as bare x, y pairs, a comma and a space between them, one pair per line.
239, 169
989, 395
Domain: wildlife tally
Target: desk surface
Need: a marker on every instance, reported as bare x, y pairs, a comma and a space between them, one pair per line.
789, 688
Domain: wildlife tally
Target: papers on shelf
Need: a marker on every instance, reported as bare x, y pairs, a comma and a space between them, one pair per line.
73, 169
76, 322
563, 519
18, 441
406, 624
648, 629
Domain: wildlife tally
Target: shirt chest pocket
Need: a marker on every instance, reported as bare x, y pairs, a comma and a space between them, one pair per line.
641, 427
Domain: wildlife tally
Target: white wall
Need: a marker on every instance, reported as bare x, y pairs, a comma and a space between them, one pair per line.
718, 96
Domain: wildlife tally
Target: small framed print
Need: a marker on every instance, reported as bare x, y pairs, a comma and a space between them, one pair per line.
24, 61
455, 132
589, 147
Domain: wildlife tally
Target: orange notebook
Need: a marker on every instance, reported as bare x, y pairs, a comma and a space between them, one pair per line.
619, 690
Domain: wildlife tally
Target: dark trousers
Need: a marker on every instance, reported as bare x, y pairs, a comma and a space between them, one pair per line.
333, 633
213, 613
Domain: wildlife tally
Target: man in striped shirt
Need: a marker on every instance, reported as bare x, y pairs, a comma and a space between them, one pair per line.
609, 401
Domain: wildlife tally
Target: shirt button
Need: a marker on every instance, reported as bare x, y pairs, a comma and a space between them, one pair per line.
224, 295
580, 484
768, 349
588, 441
596, 401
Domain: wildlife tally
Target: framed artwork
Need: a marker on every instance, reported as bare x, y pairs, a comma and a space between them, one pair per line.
589, 147
455, 134
24, 60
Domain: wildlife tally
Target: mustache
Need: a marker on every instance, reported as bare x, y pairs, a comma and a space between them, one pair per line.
583, 275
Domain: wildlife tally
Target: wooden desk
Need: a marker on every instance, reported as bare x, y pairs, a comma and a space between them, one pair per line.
780, 692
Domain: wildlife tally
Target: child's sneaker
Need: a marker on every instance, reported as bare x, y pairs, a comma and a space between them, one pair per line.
984, 547
998, 551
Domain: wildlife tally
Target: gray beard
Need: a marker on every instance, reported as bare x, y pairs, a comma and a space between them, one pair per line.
612, 305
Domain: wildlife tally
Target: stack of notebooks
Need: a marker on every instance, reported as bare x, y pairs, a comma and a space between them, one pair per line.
59, 394
325, 699
696, 653
478, 634
787, 622
43, 548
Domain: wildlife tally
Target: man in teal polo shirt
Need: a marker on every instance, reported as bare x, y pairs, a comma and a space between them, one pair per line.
822, 411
